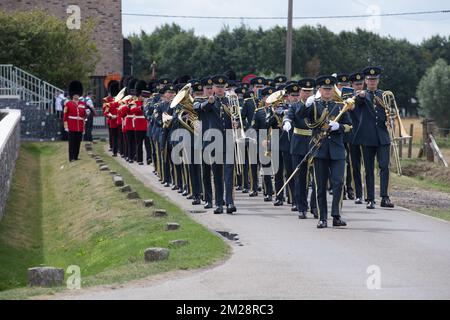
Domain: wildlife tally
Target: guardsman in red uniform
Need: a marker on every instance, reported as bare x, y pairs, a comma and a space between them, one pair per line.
111, 113
106, 100
74, 116
128, 118
140, 123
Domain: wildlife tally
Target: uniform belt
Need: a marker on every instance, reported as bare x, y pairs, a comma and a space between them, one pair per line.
130, 116
113, 116
303, 132
137, 117
76, 118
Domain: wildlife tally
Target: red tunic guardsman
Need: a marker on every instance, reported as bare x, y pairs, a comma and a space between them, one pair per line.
140, 123
74, 117
111, 113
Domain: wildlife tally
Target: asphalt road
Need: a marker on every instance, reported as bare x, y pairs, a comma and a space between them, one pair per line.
399, 253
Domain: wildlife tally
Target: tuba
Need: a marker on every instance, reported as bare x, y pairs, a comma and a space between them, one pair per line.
187, 115
394, 124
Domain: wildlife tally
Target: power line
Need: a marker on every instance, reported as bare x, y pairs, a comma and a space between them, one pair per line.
284, 18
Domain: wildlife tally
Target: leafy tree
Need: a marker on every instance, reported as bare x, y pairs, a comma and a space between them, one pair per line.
433, 93
43, 45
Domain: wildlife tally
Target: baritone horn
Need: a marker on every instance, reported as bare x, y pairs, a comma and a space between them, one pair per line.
187, 115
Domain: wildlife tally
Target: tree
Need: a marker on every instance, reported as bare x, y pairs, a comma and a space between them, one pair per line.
434, 95
43, 45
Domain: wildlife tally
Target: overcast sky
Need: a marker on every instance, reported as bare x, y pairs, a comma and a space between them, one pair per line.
413, 28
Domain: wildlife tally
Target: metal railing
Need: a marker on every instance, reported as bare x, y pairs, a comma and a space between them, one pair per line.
17, 82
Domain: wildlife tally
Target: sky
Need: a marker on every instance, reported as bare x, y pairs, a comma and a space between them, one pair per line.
413, 28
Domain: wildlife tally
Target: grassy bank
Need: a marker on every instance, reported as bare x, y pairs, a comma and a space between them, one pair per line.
62, 214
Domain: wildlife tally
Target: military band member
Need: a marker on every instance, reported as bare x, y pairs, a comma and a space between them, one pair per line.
139, 121
299, 147
357, 83
111, 113
219, 117
259, 123
249, 174
275, 117
106, 100
128, 117
372, 134
168, 94
74, 116
203, 117
330, 157
344, 81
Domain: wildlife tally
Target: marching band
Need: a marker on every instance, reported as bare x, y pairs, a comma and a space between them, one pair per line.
316, 133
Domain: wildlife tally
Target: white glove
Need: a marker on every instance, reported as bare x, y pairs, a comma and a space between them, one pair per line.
310, 101
334, 125
287, 126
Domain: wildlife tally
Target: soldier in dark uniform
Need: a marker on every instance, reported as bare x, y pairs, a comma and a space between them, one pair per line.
195, 169
372, 134
259, 123
168, 94
275, 121
330, 157
249, 177
357, 82
219, 116
344, 81
299, 147
203, 117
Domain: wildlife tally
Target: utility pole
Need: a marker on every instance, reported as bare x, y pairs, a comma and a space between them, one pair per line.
288, 65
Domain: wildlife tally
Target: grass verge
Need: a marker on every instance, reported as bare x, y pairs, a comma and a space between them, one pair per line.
62, 214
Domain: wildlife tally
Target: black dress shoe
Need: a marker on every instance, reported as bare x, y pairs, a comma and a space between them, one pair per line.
322, 224
174, 187
344, 197
351, 195
166, 185
239, 188
253, 194
190, 197
196, 202
315, 213
218, 210
114, 155
386, 203
149, 161
208, 205
370, 205
259, 189
179, 190
141, 163
302, 215
267, 198
231, 208
278, 203
185, 193
338, 222
245, 191
358, 201
294, 208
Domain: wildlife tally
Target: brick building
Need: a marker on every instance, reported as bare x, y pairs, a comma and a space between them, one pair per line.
107, 34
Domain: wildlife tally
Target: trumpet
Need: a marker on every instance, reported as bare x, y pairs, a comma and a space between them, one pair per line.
394, 124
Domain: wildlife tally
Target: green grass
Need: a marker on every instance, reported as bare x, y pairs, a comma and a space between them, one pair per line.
62, 214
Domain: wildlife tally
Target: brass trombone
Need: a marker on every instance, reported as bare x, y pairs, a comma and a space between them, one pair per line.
394, 124
234, 110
